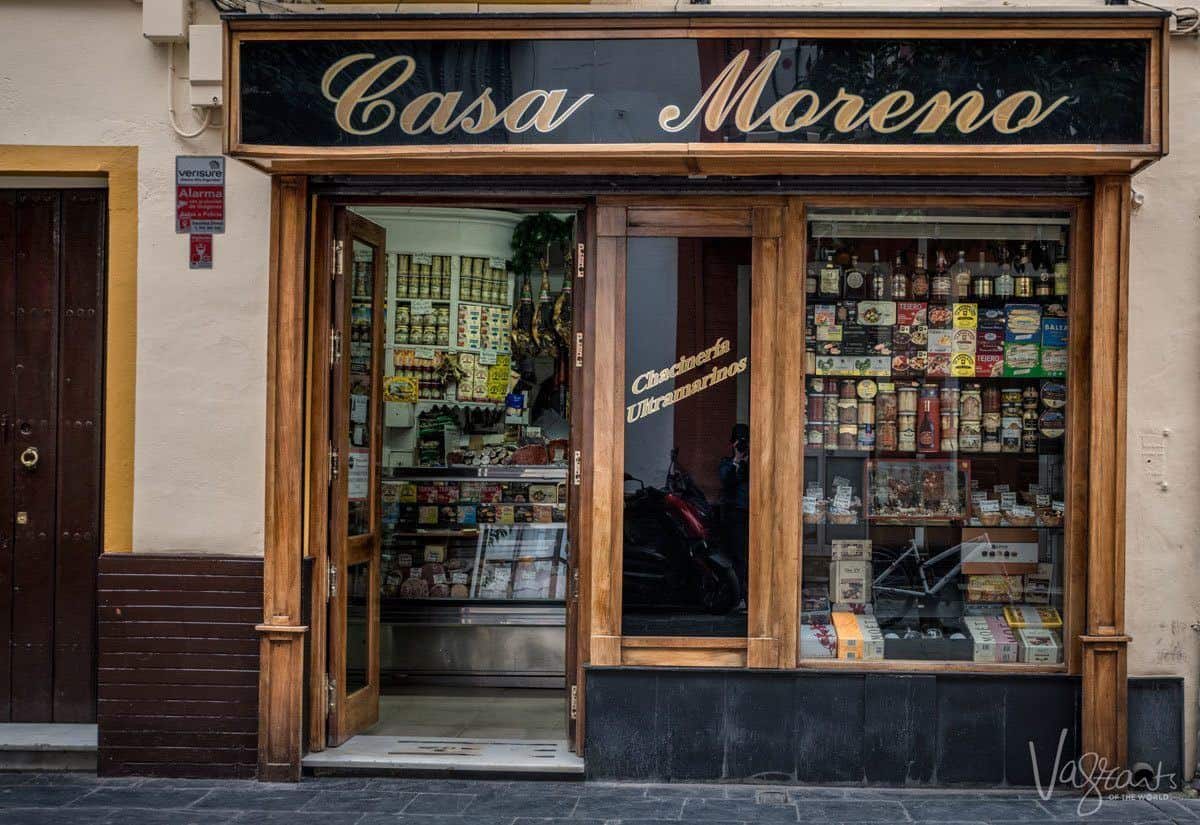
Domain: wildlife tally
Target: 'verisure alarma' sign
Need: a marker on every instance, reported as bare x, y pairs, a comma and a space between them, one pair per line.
379, 93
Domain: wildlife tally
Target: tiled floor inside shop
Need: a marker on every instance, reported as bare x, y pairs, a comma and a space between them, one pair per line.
473, 713
51, 799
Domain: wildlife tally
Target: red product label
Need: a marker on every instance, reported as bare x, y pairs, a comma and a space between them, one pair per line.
989, 364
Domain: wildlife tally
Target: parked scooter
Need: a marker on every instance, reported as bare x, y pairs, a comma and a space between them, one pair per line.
672, 555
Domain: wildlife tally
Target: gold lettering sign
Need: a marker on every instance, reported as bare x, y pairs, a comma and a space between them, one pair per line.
650, 405
362, 106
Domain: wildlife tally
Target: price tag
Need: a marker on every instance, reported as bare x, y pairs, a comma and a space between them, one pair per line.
1059, 507
425, 260
497, 263
1002, 488
989, 505
1009, 500
421, 306
487, 358
1043, 500
423, 354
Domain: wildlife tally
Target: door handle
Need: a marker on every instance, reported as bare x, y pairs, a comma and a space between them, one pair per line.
29, 458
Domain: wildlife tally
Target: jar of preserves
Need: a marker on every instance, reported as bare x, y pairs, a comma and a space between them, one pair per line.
886, 406
906, 400
970, 403
886, 435
906, 433
969, 436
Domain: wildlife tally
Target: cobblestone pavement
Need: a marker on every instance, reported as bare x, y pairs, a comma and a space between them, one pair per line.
41, 799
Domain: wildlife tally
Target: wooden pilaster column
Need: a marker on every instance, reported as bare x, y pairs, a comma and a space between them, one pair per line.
281, 651
1104, 643
604, 360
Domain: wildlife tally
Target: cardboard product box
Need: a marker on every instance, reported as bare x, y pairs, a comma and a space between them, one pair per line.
1053, 362
1022, 360
938, 365
989, 341
859, 609
849, 637
818, 641
850, 581
941, 341
1039, 645
872, 636
989, 364
993, 588
1007, 649
1039, 584
1054, 332
966, 316
814, 606
1023, 323
1024, 616
982, 638
992, 318
962, 365
851, 549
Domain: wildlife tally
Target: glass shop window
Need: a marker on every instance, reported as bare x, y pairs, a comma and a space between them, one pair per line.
934, 502
687, 440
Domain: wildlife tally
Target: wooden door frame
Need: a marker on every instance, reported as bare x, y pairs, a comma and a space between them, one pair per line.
1095, 579
770, 641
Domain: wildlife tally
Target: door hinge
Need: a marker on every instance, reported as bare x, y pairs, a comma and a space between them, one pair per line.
333, 580
579, 260
577, 468
574, 701
333, 463
579, 349
330, 693
339, 251
575, 585
335, 348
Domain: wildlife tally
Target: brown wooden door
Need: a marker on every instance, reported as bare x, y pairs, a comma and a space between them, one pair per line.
51, 325
356, 438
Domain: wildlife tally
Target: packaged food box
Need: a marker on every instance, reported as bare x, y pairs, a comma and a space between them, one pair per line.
850, 582
872, 636
982, 637
848, 636
1054, 332
1022, 323
989, 341
818, 641
851, 549
543, 493
940, 317
966, 316
989, 364
941, 340
1053, 362
1024, 616
1022, 360
994, 588
814, 605
1039, 645
962, 365
1005, 641
876, 313
1039, 584
992, 318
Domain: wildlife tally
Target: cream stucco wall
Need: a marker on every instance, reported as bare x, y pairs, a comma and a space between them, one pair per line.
78, 72
1163, 524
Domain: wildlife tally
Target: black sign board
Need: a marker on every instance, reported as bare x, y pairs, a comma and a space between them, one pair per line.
937, 91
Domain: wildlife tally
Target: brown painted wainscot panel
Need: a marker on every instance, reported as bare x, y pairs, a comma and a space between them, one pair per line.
178, 669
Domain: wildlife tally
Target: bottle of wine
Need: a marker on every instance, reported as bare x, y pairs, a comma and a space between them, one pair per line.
962, 278
831, 279
878, 290
855, 281
920, 280
939, 285
900, 291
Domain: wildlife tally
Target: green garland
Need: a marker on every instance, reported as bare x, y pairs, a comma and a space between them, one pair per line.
531, 237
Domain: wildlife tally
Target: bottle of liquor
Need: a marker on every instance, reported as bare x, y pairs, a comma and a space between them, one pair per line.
962, 278
1004, 280
831, 279
940, 284
929, 436
900, 290
1062, 272
920, 280
855, 280
981, 283
879, 279
1023, 279
1043, 282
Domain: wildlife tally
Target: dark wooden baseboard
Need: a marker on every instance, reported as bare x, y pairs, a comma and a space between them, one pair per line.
178, 665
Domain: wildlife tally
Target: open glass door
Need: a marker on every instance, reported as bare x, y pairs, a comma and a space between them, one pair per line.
355, 438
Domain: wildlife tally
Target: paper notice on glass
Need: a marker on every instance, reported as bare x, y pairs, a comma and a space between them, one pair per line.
358, 474
358, 408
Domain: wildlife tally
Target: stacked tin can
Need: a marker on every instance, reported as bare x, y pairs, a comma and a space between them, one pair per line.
1010, 420
1029, 419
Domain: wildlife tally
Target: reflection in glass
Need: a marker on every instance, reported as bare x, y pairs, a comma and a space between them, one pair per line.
934, 496
687, 443
362, 321
358, 584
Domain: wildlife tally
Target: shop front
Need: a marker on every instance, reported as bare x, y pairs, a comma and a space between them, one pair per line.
751, 385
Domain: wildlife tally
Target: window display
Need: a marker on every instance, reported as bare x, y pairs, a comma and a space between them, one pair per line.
477, 404
935, 426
